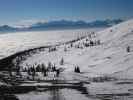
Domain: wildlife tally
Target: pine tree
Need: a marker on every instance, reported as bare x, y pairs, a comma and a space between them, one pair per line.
49, 66
75, 69
62, 61
44, 71
28, 71
57, 72
128, 49
78, 70
33, 71
71, 45
18, 70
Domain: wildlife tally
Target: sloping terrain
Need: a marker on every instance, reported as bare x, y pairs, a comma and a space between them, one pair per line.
97, 66
110, 57
11, 43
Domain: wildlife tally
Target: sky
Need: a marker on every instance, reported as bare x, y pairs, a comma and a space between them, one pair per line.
34, 10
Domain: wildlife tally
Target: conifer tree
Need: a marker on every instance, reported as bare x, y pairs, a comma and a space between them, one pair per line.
62, 61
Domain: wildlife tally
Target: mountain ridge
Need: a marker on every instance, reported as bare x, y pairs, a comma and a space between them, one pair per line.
61, 24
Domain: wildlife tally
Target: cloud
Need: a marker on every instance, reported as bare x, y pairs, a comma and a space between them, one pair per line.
26, 23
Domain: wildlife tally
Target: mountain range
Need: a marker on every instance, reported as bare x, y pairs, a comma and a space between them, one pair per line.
61, 24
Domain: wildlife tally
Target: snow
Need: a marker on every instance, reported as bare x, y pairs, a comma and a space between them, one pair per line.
107, 88
70, 94
109, 58
36, 84
93, 91
11, 43
34, 96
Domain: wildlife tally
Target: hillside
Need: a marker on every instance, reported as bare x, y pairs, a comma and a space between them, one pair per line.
107, 58
96, 66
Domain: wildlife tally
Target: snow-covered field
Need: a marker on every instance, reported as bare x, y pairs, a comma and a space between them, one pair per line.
11, 43
106, 65
109, 58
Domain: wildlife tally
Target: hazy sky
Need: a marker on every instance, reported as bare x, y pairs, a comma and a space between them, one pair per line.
20, 10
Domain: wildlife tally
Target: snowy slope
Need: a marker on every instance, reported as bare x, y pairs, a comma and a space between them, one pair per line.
109, 58
11, 43
117, 39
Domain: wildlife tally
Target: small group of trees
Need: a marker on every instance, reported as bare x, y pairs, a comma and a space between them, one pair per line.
77, 43
88, 43
92, 35
39, 68
77, 69
91, 43
32, 70
51, 49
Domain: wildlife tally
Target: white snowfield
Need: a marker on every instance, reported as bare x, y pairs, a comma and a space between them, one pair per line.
109, 58
14, 42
